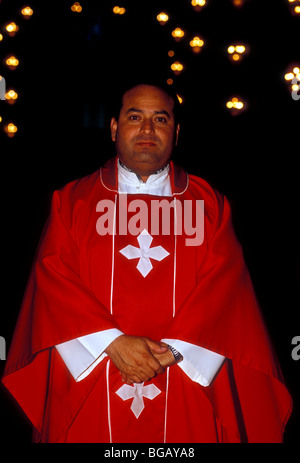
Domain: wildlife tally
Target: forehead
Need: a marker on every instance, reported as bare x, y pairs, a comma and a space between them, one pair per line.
146, 97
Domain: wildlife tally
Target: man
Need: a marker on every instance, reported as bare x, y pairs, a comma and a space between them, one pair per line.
131, 333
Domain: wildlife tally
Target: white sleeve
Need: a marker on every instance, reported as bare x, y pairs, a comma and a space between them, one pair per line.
83, 354
200, 364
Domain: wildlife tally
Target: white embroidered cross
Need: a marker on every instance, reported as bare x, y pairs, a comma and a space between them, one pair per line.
144, 253
137, 392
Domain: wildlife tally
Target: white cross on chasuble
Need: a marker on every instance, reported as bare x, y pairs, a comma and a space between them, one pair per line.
137, 392
144, 253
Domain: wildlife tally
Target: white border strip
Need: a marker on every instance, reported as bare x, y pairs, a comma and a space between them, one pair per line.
166, 406
113, 258
108, 401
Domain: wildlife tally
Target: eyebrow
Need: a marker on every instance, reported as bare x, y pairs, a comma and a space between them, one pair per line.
136, 110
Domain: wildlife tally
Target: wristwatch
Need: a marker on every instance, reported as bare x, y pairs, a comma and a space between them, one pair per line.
177, 355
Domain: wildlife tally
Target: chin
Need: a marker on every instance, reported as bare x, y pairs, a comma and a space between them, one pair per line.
144, 163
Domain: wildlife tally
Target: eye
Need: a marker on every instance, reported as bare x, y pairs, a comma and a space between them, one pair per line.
134, 117
161, 119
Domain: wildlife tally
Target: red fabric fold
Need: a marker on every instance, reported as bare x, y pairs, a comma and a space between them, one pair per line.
70, 292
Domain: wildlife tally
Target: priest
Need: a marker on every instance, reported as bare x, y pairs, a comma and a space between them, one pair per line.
131, 333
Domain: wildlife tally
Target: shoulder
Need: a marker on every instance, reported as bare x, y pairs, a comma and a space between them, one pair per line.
75, 201
217, 208
202, 189
79, 189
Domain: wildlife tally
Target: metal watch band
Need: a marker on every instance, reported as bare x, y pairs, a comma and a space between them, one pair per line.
177, 355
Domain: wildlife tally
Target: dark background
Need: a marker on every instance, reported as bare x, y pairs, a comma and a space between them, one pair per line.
70, 66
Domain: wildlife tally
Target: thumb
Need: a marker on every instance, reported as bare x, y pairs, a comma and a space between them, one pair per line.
157, 347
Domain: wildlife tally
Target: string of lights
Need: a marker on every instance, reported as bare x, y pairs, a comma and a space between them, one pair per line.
7, 92
236, 51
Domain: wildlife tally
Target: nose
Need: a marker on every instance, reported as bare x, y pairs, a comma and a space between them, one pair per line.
147, 126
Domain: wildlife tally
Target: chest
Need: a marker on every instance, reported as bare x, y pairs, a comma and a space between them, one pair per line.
135, 259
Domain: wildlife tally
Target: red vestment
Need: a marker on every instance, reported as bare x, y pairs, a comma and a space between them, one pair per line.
80, 283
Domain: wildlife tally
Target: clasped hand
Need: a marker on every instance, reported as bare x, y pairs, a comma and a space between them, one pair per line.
139, 358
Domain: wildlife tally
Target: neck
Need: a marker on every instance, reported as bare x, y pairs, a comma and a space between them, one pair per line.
144, 178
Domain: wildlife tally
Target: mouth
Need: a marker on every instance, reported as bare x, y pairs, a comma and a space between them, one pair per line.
145, 143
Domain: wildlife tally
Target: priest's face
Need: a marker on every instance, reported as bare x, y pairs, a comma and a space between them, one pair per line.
145, 133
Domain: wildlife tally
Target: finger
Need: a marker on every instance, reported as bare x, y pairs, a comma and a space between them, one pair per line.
157, 347
125, 379
155, 367
134, 378
166, 359
128, 381
139, 379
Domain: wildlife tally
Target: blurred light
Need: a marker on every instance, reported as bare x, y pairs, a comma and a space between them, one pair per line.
177, 33
236, 52
76, 7
292, 77
12, 62
235, 105
12, 28
11, 96
27, 12
170, 81
118, 10
171, 53
177, 67
162, 18
198, 4
11, 129
238, 3
240, 48
289, 76
1, 37
0, 118
295, 72
196, 44
294, 6
180, 99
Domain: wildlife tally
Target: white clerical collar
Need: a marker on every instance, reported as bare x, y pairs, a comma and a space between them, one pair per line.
156, 184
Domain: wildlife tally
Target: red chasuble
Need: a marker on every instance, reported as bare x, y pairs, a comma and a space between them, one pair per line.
83, 282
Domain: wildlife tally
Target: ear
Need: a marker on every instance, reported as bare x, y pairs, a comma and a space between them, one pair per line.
113, 128
177, 134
